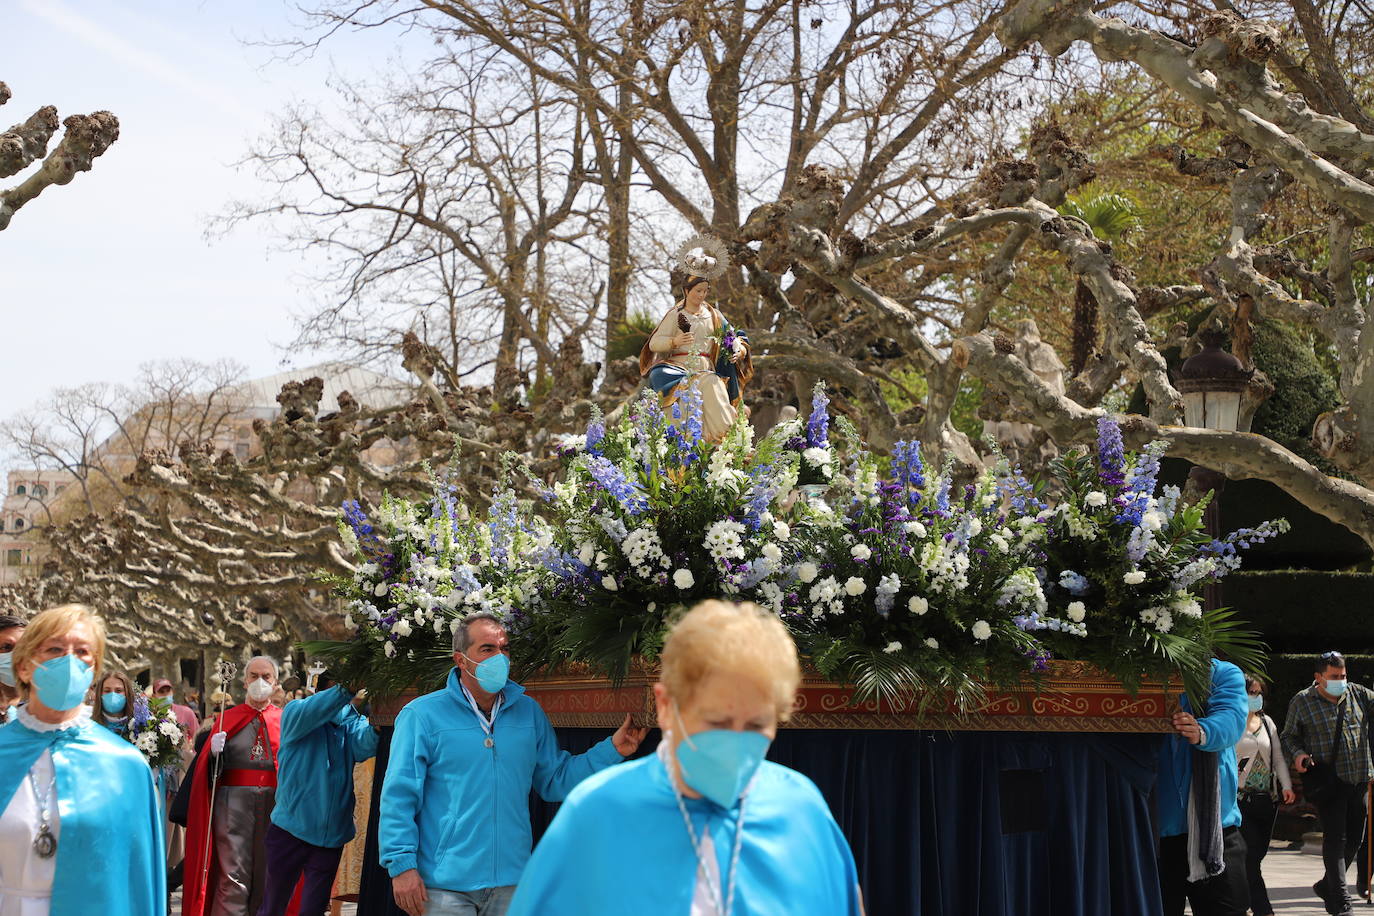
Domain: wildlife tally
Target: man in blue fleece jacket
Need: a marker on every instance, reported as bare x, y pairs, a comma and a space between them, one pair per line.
322, 737
454, 828
1183, 871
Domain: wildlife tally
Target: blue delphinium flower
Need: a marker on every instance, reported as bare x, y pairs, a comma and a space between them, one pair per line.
818, 426
503, 524
1111, 454
1074, 583
907, 468
762, 488
596, 431
613, 481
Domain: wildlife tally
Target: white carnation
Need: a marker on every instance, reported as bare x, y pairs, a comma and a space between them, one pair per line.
1097, 499
891, 647
402, 627
772, 553
807, 572
916, 529
982, 630
860, 552
609, 583
1134, 577
781, 531
918, 605
855, 586
1077, 611
684, 579
932, 643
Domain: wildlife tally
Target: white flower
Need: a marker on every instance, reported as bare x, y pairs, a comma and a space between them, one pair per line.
855, 586
918, 605
1134, 577
1186, 605
586, 553
975, 527
609, 583
916, 529
1000, 543
1097, 499
932, 643
817, 457
402, 627
381, 589
389, 649
781, 531
684, 579
892, 647
1077, 611
1153, 520
1165, 623
860, 552
982, 630
807, 572
170, 729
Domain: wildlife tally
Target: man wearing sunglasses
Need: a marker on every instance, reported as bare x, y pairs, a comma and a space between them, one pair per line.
1326, 735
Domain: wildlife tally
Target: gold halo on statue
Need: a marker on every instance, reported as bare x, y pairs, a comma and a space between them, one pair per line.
703, 256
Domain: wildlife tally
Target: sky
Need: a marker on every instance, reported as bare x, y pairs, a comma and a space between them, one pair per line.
115, 269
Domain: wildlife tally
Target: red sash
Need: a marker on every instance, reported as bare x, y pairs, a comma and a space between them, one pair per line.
202, 869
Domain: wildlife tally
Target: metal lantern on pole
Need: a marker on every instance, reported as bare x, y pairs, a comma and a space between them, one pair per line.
1212, 382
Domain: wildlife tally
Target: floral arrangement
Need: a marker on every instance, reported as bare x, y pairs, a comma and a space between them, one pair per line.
154, 730
422, 567
901, 580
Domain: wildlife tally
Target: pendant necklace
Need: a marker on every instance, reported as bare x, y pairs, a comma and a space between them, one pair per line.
45, 844
487, 724
722, 899
259, 752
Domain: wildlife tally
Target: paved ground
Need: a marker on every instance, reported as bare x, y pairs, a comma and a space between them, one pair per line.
1289, 876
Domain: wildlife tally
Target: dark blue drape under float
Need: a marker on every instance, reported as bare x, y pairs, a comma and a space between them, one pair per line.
953, 824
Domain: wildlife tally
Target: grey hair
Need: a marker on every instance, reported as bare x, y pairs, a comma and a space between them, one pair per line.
461, 639
276, 673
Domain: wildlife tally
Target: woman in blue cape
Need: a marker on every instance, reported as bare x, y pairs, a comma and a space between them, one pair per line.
705, 826
80, 831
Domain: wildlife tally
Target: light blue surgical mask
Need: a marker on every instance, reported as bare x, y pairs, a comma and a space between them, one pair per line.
720, 763
492, 673
113, 703
7, 669
1335, 688
61, 682
1256, 702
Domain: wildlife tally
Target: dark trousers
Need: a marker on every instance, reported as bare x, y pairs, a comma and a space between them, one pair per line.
1222, 895
1257, 815
1340, 808
288, 858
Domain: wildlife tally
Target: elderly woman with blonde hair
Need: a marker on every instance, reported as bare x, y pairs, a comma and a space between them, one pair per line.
706, 825
80, 830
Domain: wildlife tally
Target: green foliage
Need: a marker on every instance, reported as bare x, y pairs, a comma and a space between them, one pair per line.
1110, 215
1303, 389
964, 416
628, 337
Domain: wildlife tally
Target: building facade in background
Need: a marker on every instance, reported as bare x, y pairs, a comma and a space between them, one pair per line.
29, 497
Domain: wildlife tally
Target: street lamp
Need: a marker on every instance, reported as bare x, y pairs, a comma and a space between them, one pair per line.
1212, 382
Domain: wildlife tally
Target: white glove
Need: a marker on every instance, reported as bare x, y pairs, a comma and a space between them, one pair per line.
217, 742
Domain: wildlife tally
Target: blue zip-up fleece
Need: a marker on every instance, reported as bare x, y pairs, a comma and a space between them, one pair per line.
459, 811
1227, 710
322, 737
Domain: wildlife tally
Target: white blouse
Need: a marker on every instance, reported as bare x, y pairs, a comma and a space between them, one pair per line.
26, 878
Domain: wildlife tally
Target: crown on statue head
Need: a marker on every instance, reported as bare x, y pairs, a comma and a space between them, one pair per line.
703, 256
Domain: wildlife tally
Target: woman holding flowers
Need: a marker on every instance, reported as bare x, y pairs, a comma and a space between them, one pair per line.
695, 349
114, 703
80, 831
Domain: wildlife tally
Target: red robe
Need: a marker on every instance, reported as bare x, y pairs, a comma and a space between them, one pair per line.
202, 871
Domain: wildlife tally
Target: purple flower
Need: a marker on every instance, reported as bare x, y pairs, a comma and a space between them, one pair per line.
907, 469
818, 426
613, 480
1111, 454
596, 431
